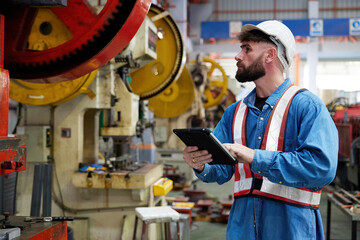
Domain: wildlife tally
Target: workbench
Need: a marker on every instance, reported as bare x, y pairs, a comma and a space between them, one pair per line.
355, 217
125, 179
56, 230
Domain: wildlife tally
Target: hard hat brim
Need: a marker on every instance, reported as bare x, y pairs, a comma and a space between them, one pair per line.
250, 27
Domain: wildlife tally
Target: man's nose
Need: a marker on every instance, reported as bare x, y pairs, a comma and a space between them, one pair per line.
238, 56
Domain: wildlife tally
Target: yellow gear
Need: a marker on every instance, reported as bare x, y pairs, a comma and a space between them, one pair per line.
216, 83
154, 77
175, 99
48, 32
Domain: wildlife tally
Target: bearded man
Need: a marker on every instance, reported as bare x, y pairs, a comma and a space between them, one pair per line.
283, 138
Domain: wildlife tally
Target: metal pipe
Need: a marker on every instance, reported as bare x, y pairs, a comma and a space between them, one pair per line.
284, 10
353, 198
4, 89
275, 9
4, 102
216, 10
340, 9
260, 10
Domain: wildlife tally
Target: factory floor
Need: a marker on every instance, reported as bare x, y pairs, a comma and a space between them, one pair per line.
340, 223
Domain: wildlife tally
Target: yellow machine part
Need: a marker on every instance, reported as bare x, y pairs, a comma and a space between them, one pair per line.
48, 32
154, 77
216, 83
50, 93
175, 99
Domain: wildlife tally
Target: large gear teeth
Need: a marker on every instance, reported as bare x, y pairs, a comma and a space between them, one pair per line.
97, 44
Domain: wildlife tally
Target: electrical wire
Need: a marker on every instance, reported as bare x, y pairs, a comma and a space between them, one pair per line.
18, 117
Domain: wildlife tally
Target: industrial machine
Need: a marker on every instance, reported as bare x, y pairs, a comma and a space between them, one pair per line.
347, 121
13, 160
193, 100
201, 88
206, 77
79, 74
84, 84
96, 35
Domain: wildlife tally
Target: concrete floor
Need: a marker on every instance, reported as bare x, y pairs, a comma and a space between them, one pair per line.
340, 223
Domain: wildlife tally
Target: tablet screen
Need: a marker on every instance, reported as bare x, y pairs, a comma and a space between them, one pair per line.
204, 139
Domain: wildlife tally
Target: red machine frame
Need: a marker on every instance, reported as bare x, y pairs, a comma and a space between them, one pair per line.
12, 150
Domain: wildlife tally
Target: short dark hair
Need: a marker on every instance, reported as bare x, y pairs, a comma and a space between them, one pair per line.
254, 36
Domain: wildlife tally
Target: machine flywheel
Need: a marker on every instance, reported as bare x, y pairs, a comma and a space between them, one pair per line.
176, 98
96, 38
154, 77
49, 93
216, 83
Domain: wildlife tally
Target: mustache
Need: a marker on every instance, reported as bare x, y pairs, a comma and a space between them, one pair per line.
240, 64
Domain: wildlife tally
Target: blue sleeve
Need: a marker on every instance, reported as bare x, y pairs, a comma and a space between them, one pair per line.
223, 131
311, 158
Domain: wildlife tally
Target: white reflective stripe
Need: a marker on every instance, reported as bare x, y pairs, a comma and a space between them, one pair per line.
241, 170
277, 190
292, 193
275, 124
243, 184
239, 118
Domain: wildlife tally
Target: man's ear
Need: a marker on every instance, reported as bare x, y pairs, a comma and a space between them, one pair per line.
270, 55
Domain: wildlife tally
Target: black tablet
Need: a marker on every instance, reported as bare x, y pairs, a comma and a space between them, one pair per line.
204, 139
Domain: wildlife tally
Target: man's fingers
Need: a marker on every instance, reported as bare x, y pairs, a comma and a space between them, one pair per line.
196, 158
227, 146
205, 158
202, 160
189, 149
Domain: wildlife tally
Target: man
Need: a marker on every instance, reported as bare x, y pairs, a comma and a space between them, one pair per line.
283, 138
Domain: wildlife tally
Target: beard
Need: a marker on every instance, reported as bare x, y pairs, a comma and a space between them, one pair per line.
251, 73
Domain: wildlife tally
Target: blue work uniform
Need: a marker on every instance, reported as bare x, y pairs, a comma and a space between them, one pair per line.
309, 160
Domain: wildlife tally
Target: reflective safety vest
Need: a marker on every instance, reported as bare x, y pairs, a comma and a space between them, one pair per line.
249, 183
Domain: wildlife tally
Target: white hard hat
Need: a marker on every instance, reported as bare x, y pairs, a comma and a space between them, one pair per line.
281, 35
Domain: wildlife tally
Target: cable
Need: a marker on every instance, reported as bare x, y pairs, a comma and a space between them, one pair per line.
18, 117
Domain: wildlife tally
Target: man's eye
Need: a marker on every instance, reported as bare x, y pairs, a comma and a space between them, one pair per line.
245, 48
